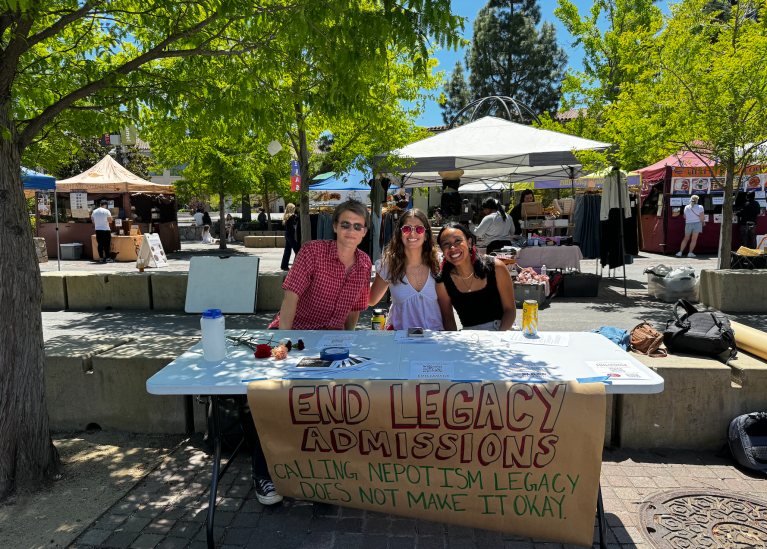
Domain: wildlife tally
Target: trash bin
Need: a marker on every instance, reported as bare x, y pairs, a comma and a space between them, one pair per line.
71, 251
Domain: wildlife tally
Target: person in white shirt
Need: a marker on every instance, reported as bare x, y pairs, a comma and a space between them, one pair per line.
693, 225
101, 219
207, 238
198, 217
408, 268
496, 229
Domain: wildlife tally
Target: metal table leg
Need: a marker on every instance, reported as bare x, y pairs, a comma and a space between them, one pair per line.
601, 521
216, 466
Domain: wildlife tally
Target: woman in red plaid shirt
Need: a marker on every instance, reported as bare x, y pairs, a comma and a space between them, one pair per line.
329, 282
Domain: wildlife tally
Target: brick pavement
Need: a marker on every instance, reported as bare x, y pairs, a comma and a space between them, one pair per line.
167, 510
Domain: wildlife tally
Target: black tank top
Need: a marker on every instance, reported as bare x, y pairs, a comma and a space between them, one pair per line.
476, 307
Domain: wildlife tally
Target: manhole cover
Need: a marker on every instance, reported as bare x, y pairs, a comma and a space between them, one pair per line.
691, 520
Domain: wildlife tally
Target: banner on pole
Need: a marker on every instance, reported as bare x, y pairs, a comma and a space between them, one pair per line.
295, 176
522, 458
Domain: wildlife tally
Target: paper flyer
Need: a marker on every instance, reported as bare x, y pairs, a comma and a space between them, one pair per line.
618, 370
341, 340
542, 338
432, 369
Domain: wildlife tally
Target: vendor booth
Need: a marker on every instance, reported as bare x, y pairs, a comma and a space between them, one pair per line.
666, 189
137, 206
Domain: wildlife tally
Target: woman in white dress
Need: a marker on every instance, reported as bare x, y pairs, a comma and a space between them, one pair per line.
408, 267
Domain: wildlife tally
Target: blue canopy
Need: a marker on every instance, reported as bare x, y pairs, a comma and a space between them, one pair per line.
352, 181
34, 181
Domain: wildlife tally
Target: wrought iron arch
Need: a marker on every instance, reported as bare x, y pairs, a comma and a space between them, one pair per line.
521, 111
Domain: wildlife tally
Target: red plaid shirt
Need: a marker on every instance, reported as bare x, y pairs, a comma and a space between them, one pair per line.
326, 295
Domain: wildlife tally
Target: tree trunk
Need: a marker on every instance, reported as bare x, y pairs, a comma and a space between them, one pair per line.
303, 162
267, 209
725, 239
246, 217
27, 454
221, 221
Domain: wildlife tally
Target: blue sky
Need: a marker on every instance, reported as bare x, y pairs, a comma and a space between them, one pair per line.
469, 8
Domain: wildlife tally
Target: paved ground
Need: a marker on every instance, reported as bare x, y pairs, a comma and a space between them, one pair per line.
168, 509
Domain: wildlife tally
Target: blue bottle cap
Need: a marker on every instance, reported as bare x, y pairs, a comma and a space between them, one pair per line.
212, 313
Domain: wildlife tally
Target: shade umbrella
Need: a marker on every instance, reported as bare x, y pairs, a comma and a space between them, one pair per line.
491, 147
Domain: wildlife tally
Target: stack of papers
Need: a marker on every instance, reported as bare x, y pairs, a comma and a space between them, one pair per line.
556, 339
315, 365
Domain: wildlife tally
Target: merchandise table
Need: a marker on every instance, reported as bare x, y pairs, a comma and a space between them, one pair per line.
554, 257
476, 357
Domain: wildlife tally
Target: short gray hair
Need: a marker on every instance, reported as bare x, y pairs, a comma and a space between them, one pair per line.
354, 206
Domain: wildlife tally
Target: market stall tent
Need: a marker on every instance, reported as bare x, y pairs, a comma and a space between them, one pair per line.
492, 147
663, 206
108, 179
34, 182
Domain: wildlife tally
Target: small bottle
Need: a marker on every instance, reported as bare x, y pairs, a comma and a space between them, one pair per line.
213, 337
543, 270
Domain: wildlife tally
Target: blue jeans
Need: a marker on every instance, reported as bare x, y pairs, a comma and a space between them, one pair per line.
290, 244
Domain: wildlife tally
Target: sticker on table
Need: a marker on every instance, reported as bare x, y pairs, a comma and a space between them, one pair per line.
341, 340
431, 369
543, 338
675, 202
717, 200
525, 372
618, 370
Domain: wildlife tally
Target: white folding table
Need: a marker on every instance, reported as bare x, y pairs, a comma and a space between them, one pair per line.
473, 355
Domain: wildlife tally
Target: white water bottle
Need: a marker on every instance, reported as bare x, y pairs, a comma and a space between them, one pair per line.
543, 270
213, 338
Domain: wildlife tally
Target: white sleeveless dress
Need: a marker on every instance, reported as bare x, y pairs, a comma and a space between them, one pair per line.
410, 308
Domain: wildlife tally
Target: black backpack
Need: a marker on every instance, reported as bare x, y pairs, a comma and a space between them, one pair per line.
747, 437
699, 332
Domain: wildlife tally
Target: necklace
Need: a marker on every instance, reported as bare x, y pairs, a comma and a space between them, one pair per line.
469, 285
416, 274
462, 277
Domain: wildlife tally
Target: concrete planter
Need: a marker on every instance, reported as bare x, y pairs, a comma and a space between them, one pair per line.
734, 290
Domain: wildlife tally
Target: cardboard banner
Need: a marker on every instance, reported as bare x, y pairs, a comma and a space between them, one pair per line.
521, 458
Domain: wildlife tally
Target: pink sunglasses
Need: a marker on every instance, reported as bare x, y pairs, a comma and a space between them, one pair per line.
407, 229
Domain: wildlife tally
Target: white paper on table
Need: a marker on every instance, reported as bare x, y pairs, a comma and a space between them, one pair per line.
381, 333
431, 369
429, 336
676, 202
524, 371
618, 370
542, 338
340, 340
484, 338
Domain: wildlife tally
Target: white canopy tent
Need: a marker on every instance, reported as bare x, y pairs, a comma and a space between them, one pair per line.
491, 147
107, 176
495, 185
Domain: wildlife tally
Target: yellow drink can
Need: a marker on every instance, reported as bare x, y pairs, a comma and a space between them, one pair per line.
379, 319
530, 317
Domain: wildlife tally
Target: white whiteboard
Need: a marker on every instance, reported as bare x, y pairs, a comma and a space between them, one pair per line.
226, 283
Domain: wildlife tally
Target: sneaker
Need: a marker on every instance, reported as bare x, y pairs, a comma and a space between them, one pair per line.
691, 255
109, 260
679, 254
265, 492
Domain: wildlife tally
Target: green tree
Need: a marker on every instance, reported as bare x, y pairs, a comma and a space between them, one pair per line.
73, 68
89, 151
701, 86
510, 55
592, 90
456, 94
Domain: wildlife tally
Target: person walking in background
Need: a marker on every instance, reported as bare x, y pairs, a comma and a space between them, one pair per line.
229, 228
693, 225
747, 217
290, 221
197, 217
262, 220
101, 218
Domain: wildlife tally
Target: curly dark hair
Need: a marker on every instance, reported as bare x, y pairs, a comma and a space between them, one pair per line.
394, 255
482, 265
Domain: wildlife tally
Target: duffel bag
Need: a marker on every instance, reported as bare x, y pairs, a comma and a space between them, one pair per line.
699, 332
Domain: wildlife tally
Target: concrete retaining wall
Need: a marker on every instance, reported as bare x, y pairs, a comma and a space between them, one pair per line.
161, 290
701, 397
734, 290
103, 381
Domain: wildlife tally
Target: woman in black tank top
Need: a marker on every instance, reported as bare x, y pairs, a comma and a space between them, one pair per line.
480, 288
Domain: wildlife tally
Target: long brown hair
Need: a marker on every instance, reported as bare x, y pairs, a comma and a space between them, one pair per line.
394, 256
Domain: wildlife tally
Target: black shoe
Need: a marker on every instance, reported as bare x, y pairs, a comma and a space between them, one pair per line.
265, 492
